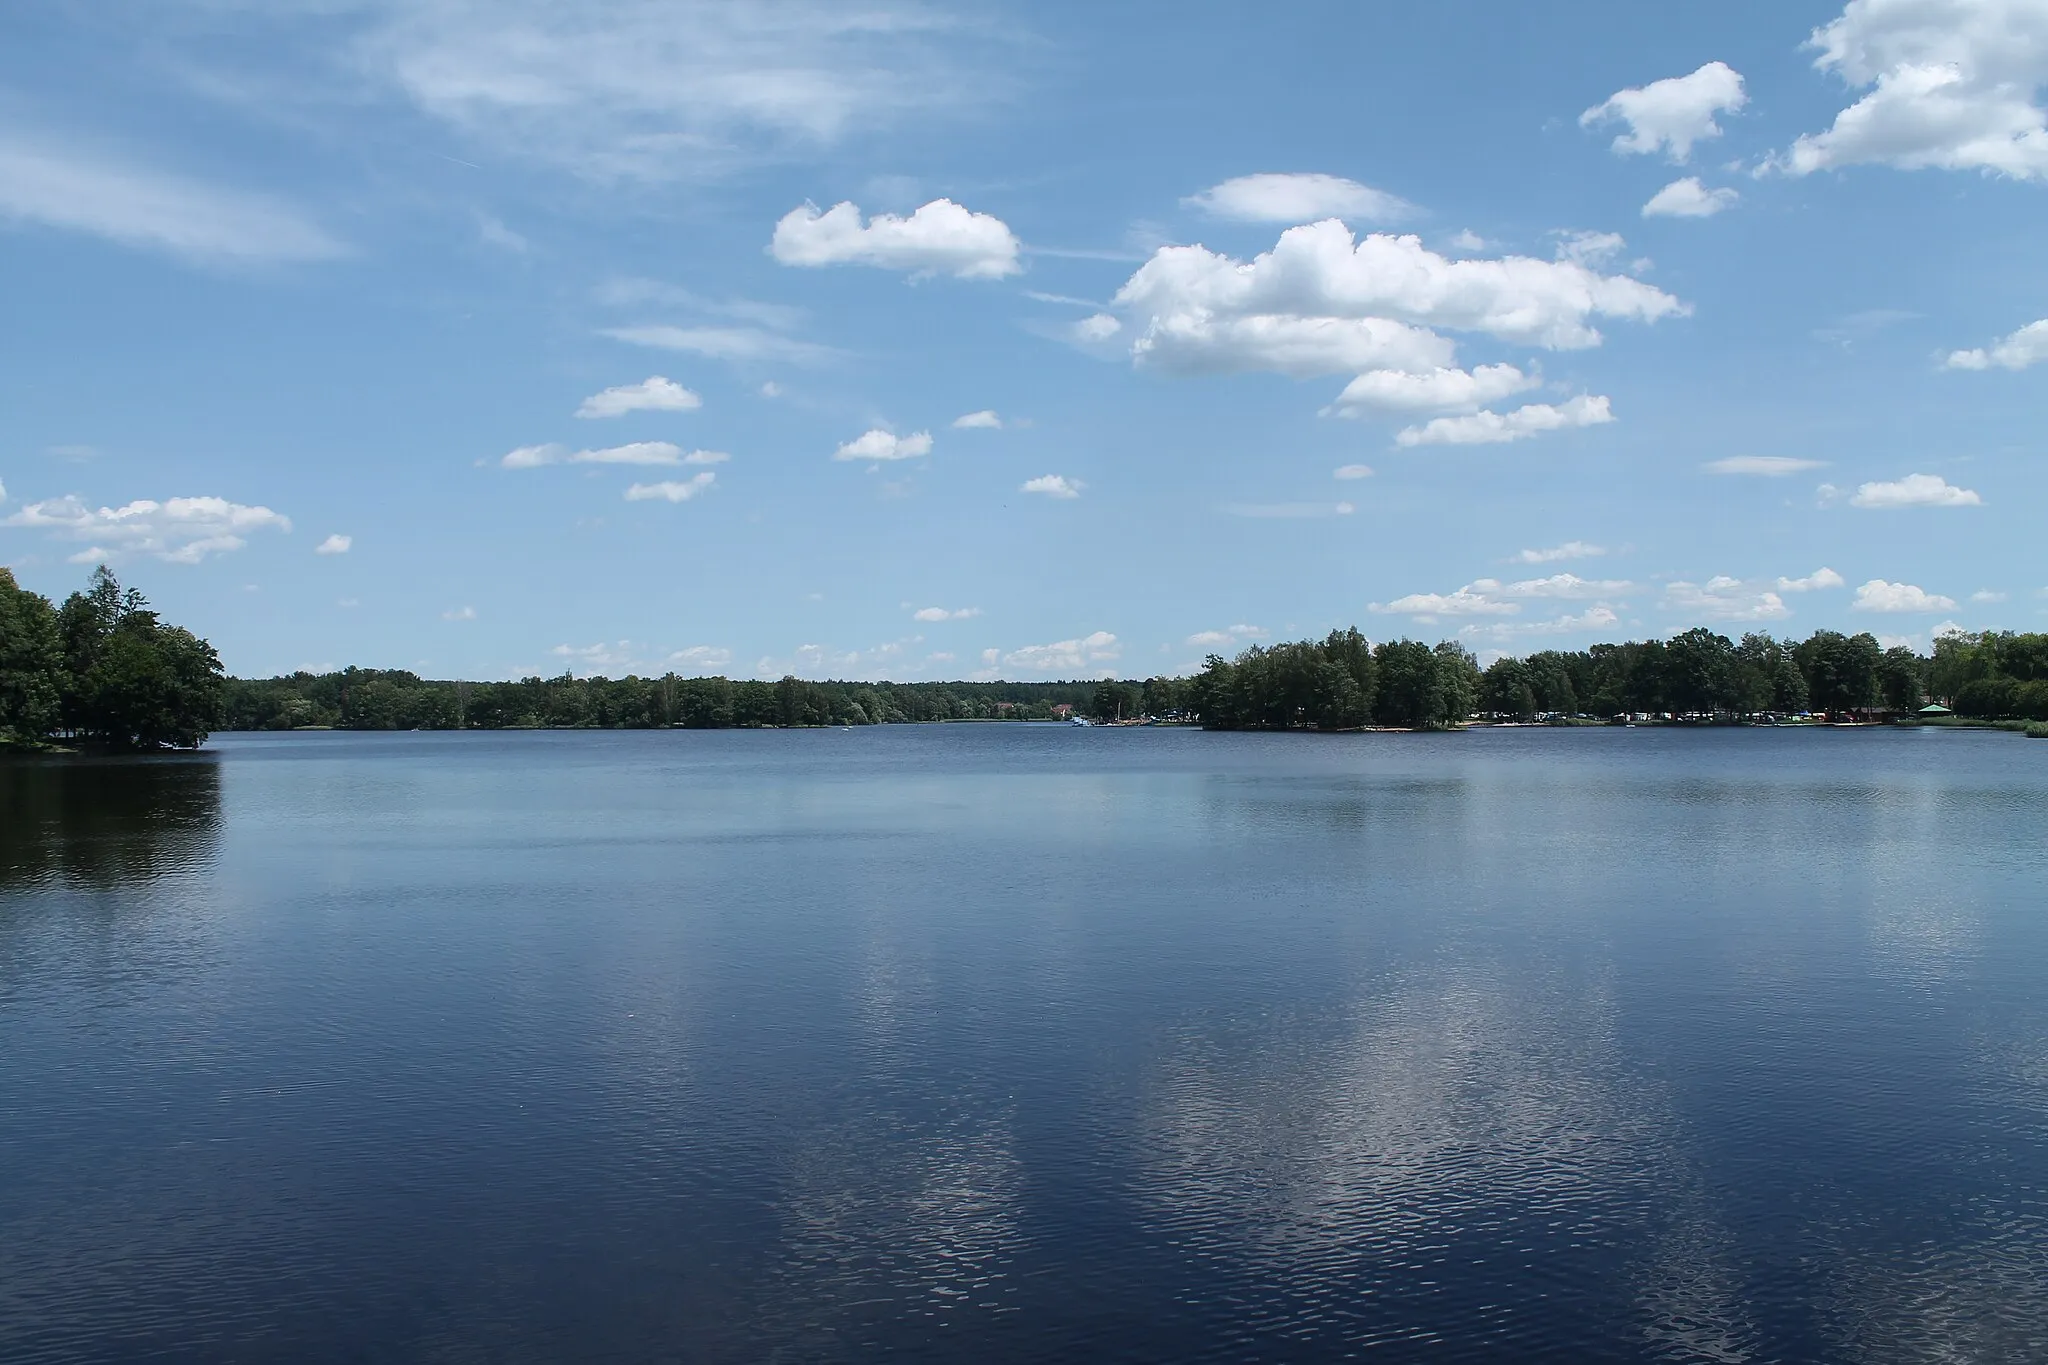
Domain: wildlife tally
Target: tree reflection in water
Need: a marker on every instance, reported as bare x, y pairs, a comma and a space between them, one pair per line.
106, 822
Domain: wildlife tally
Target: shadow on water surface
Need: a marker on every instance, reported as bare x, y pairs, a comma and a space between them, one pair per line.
106, 822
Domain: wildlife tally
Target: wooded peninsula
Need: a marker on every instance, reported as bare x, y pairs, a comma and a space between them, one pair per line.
102, 670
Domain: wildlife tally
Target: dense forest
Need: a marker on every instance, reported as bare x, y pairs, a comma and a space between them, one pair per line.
102, 670
390, 699
1698, 675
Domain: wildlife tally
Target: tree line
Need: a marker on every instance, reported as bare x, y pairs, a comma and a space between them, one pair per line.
392, 699
102, 670
1343, 683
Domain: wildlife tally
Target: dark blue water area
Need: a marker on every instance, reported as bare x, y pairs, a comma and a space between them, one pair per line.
1028, 1043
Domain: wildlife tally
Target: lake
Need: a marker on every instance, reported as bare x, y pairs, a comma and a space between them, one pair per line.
1028, 1043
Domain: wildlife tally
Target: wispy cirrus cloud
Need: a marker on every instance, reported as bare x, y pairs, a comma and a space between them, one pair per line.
1571, 549
1091, 653
1762, 466
659, 90
74, 189
1230, 635
672, 490
642, 453
744, 344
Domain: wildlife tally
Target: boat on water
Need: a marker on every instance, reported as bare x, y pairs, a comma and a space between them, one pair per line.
1079, 720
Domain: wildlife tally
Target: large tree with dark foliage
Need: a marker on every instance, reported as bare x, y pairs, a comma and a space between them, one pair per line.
31, 665
104, 669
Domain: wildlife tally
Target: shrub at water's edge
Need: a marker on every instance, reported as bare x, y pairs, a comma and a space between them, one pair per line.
2037, 730
102, 670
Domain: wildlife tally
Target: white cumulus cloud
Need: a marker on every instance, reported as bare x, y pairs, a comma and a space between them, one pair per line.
652, 394
335, 545
1761, 466
671, 490
1319, 273
1493, 428
942, 238
1722, 598
1433, 390
1352, 471
1915, 490
1951, 84
176, 530
1813, 582
1481, 598
1299, 198
2027, 346
1688, 198
985, 419
1671, 115
1053, 486
877, 444
1878, 595
459, 614
1097, 327
942, 614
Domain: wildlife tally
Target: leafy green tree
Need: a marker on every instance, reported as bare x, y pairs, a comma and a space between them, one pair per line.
1902, 678
31, 665
1163, 696
1550, 679
1699, 673
1114, 701
131, 681
1352, 652
1505, 690
1841, 670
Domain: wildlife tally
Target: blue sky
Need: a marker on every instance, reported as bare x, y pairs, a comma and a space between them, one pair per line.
495, 339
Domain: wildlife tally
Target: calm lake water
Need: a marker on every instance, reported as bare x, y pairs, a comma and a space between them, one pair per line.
1009, 1043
